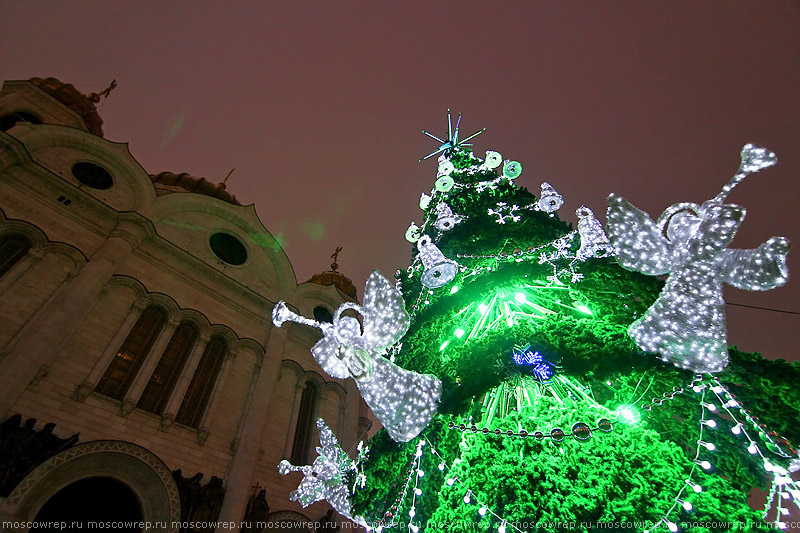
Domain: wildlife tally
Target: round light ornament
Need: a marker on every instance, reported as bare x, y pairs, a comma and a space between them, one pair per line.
581, 431
444, 183
413, 233
512, 169
604, 425
493, 159
424, 201
446, 168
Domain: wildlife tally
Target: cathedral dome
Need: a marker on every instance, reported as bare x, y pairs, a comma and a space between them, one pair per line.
68, 95
169, 182
342, 282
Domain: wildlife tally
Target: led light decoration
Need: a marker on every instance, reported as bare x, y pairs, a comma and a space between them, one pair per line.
424, 201
493, 160
413, 233
686, 325
505, 212
543, 370
452, 143
446, 167
594, 242
513, 305
549, 201
439, 270
512, 169
402, 400
325, 478
445, 219
444, 183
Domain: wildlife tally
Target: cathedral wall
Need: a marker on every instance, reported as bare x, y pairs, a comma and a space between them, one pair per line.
151, 250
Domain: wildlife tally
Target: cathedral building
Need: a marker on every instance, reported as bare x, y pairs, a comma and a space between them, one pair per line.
141, 377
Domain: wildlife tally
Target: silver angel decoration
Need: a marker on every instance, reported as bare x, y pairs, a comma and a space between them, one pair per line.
689, 242
325, 478
404, 401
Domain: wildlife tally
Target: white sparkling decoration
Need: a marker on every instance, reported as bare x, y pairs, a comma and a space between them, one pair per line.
493, 160
445, 219
424, 201
402, 400
325, 478
686, 325
594, 242
549, 201
505, 211
413, 233
439, 270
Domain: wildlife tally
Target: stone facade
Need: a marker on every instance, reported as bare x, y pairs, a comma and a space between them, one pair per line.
103, 242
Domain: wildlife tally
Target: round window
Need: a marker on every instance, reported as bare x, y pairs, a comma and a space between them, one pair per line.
92, 175
228, 248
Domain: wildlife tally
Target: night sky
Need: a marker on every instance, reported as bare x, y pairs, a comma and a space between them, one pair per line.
319, 107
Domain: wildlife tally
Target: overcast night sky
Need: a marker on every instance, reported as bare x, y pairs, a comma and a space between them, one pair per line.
319, 107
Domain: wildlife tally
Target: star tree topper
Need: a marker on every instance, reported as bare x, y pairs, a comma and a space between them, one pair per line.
686, 324
404, 401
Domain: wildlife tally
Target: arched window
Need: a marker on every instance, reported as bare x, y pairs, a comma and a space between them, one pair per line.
202, 384
305, 424
12, 249
9, 121
169, 367
321, 314
130, 356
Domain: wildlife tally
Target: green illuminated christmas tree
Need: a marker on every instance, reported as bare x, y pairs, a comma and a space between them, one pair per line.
551, 418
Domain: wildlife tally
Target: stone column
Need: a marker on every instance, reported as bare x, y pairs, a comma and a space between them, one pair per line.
153, 356
178, 392
83, 390
292, 427
38, 343
243, 463
208, 416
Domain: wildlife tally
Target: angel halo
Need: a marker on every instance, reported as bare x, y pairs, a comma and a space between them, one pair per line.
689, 242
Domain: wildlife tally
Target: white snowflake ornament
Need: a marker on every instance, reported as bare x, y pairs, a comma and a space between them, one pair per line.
404, 401
686, 324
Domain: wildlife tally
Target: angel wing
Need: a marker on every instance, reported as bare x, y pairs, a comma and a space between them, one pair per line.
639, 243
385, 317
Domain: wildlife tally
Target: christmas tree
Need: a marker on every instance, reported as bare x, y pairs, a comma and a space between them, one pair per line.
551, 417
516, 329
